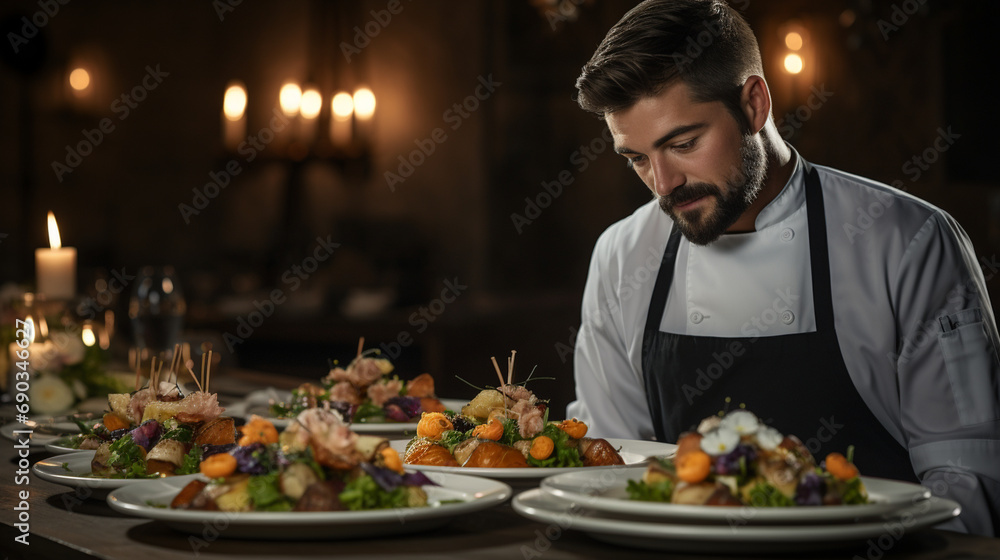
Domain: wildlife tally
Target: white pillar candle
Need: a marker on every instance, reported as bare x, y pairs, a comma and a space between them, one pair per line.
55, 268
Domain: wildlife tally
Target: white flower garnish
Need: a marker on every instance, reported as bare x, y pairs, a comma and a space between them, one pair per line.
742, 422
769, 438
720, 441
709, 424
50, 395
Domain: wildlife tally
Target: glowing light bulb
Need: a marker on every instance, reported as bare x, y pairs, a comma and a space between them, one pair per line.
793, 41
234, 104
364, 103
290, 99
793, 63
79, 79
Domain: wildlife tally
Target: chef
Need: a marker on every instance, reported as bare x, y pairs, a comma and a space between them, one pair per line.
836, 308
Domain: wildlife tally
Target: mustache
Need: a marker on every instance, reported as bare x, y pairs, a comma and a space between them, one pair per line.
687, 193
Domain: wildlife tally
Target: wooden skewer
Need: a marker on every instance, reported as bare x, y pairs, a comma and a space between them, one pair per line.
361, 345
497, 367
175, 361
193, 376
202, 384
510, 376
208, 372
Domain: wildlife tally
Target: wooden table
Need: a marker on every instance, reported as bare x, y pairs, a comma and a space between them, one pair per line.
63, 526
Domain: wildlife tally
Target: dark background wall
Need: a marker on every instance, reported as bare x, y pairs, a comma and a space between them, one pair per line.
882, 79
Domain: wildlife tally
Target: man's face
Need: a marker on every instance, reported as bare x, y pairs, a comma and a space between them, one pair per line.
703, 169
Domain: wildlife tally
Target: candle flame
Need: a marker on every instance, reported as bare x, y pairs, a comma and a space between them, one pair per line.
54, 241
88, 335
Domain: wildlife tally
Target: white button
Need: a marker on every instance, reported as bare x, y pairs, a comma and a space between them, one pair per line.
787, 234
696, 317
787, 317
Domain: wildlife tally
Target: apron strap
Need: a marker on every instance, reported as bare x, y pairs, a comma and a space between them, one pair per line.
664, 278
819, 253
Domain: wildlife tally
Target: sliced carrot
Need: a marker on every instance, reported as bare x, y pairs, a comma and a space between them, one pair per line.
420, 386
114, 422
573, 428
493, 430
840, 467
219, 465
693, 466
432, 425
542, 447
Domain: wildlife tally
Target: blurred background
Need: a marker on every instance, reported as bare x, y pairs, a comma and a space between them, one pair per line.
445, 204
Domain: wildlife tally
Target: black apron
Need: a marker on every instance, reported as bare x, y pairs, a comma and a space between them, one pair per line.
797, 383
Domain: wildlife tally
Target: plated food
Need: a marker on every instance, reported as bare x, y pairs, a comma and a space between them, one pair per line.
736, 460
316, 464
365, 391
157, 430
505, 427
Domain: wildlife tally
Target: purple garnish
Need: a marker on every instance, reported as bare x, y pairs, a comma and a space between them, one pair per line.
408, 407
147, 434
810, 490
389, 479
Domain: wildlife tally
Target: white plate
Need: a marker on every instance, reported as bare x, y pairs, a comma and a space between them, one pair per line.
736, 539
476, 494
44, 430
259, 403
607, 492
61, 445
73, 470
632, 451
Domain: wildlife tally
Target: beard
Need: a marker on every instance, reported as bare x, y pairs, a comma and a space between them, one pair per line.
702, 226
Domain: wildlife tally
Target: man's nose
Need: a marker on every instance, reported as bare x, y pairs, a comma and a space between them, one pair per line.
666, 177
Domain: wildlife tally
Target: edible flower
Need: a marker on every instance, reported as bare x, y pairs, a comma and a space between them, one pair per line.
769, 438
720, 441
741, 421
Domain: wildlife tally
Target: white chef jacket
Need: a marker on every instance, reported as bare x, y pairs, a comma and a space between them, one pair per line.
911, 311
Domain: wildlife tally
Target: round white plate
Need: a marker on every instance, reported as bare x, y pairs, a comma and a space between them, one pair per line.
473, 493
734, 539
62, 445
259, 403
606, 492
632, 451
45, 430
73, 470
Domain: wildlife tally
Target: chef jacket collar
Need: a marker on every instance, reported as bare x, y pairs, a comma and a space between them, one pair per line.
791, 198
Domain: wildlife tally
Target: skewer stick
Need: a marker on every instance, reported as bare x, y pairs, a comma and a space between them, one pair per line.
361, 345
208, 372
193, 376
175, 361
510, 375
202, 384
497, 367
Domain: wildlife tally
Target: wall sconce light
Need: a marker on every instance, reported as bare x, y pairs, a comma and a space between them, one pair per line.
340, 131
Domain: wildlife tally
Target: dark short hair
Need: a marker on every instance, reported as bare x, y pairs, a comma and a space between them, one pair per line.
705, 43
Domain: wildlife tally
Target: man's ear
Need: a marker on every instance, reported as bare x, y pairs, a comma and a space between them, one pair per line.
755, 100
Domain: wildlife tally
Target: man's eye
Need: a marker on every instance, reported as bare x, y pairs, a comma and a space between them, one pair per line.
633, 160
685, 145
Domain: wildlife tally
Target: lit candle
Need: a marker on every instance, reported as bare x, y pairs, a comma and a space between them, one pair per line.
312, 104
342, 109
364, 111
55, 268
234, 118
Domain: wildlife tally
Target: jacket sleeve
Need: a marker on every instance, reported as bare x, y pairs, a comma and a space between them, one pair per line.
610, 396
948, 372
